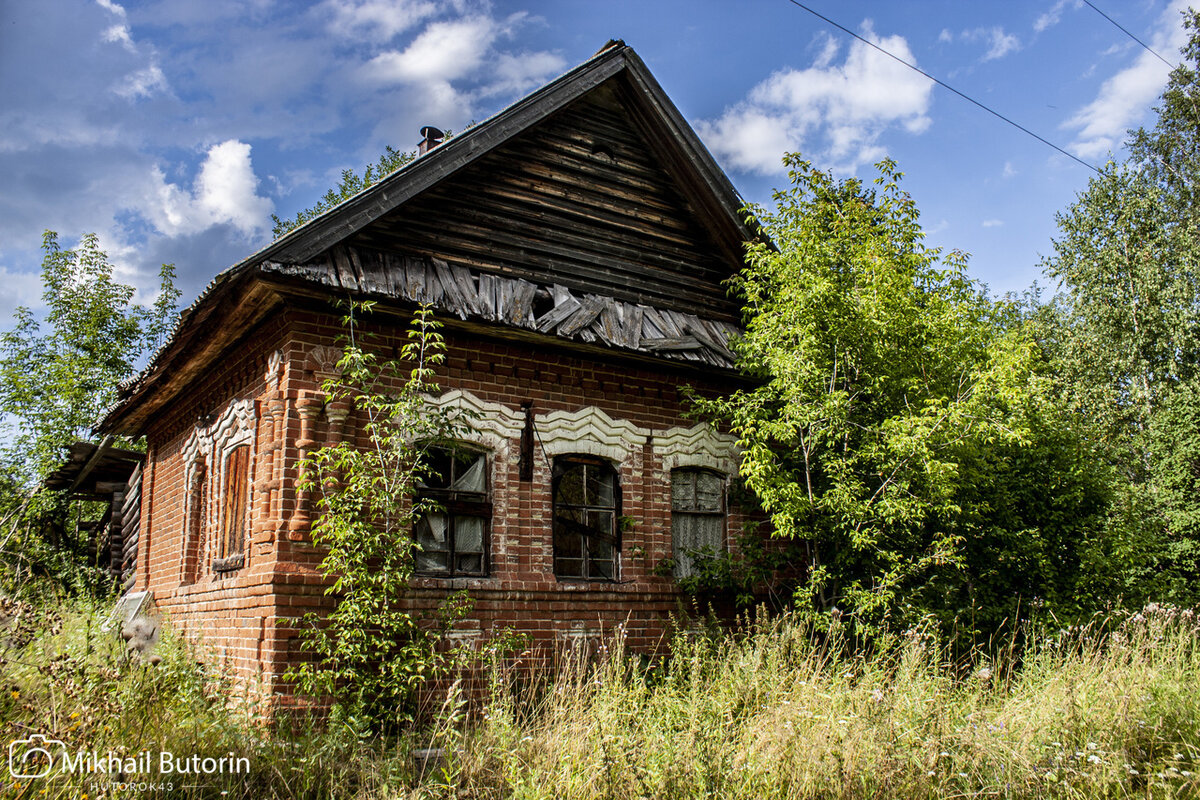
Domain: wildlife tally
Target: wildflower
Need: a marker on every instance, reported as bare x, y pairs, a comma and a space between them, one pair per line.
1179, 756
877, 696
1092, 745
16, 695
1133, 771
1093, 759
985, 674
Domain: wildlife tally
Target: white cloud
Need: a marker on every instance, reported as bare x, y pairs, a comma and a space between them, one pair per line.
1124, 97
834, 112
524, 71
119, 34
993, 223
1009, 170
999, 42
115, 8
143, 83
225, 192
376, 20
1052, 17
442, 52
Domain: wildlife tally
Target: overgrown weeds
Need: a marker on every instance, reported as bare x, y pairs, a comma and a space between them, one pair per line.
1110, 709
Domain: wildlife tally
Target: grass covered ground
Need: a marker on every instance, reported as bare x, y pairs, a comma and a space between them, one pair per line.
1110, 710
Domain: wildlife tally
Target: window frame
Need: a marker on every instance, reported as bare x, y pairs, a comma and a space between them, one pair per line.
231, 534
676, 514
562, 465
445, 501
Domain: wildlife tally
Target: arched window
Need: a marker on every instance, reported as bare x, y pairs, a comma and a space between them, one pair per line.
230, 543
453, 531
697, 516
587, 503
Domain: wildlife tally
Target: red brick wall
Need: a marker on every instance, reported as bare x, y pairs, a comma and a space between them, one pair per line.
249, 618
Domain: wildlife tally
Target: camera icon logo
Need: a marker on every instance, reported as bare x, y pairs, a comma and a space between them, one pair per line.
33, 757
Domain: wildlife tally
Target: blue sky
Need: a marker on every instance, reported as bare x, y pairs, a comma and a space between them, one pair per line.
175, 128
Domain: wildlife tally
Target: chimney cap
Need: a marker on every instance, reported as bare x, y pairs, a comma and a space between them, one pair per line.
431, 137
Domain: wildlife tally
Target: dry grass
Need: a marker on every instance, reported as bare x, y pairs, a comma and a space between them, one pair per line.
780, 713
1110, 710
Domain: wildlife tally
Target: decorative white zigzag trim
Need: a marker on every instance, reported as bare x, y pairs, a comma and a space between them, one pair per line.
589, 430
697, 446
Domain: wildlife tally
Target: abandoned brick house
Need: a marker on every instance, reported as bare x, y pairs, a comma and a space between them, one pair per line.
575, 246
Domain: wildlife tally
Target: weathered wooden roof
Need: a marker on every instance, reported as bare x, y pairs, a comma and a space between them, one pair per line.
94, 470
589, 211
513, 301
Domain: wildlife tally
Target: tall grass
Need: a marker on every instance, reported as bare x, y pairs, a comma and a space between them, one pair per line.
1108, 710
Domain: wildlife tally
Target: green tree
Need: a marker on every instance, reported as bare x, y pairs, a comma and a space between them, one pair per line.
351, 184
899, 414
371, 652
1127, 259
57, 375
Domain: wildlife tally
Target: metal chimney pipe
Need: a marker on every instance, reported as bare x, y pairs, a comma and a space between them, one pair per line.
431, 137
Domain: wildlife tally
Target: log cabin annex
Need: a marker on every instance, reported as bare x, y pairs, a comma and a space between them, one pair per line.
575, 246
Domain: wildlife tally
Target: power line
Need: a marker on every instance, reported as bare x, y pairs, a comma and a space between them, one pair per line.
945, 85
1130, 35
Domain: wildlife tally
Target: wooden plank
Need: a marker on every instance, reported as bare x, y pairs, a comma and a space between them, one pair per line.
487, 295
588, 311
652, 325
671, 344
564, 307
393, 269
357, 268
370, 266
345, 273
520, 307
609, 323
413, 288
631, 329
452, 293
504, 293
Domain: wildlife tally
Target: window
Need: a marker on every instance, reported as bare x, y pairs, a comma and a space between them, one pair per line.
697, 516
230, 554
453, 532
586, 505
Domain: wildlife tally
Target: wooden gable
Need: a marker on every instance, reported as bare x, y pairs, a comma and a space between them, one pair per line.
580, 200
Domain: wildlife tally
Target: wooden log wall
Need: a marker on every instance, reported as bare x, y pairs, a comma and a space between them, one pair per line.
131, 519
